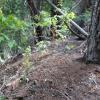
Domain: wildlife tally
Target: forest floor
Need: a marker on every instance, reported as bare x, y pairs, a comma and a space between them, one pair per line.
58, 74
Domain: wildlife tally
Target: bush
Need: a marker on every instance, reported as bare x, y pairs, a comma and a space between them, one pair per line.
13, 34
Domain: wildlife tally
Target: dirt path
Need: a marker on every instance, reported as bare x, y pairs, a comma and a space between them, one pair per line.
59, 76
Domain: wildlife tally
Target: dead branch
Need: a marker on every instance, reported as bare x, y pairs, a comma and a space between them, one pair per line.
78, 35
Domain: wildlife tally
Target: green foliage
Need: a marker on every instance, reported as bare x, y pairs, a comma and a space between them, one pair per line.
60, 35
70, 15
16, 7
2, 98
64, 31
67, 4
45, 20
42, 45
26, 59
85, 16
13, 33
2, 2
70, 46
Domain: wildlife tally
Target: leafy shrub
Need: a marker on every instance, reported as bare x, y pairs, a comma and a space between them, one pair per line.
86, 16
44, 19
13, 34
2, 98
26, 60
42, 45
16, 7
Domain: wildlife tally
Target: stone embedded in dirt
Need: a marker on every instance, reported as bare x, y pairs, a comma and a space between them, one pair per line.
97, 69
14, 84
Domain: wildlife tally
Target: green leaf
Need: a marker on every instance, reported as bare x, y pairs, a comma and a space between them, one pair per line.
11, 44
5, 36
1, 39
2, 98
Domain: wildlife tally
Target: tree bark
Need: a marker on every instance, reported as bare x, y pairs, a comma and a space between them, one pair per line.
93, 42
34, 6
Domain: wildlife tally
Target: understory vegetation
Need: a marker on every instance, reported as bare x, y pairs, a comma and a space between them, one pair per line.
18, 28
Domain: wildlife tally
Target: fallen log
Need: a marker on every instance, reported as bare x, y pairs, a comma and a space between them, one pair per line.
78, 35
83, 32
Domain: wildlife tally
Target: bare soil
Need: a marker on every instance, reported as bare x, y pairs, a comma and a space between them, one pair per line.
59, 74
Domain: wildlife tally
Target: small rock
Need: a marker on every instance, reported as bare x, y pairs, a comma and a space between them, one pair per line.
97, 69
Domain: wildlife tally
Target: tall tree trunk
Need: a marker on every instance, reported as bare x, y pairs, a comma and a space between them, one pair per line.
34, 6
93, 48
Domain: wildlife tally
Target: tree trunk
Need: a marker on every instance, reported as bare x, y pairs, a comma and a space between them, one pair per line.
93, 48
32, 6
35, 6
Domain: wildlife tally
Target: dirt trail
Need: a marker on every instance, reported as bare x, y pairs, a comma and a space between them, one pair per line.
59, 76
